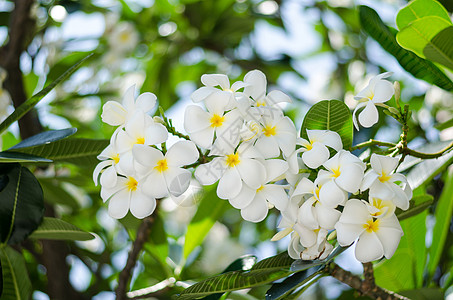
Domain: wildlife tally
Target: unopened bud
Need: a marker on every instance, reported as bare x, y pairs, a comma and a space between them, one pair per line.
393, 110
332, 235
158, 119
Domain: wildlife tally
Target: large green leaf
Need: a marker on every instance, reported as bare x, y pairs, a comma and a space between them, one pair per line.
418, 67
208, 212
21, 205
417, 205
443, 214
44, 138
31, 102
71, 150
418, 9
15, 157
411, 254
265, 271
419, 35
16, 283
330, 115
56, 229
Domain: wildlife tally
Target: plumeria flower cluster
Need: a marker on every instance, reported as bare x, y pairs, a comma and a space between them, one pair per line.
134, 171
255, 155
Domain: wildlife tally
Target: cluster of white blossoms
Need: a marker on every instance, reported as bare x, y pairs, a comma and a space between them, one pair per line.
259, 162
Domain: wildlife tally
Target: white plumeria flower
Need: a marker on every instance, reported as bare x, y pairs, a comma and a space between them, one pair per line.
233, 169
379, 208
123, 38
255, 87
377, 237
128, 193
211, 82
381, 180
320, 250
277, 133
139, 130
203, 126
315, 151
377, 91
116, 114
344, 170
315, 213
254, 203
110, 157
164, 174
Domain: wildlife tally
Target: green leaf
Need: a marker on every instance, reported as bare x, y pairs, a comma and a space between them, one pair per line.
419, 37
15, 157
21, 205
277, 262
418, 67
72, 150
424, 294
330, 115
45, 137
417, 205
16, 283
418, 9
208, 212
56, 229
411, 253
428, 168
31, 102
443, 214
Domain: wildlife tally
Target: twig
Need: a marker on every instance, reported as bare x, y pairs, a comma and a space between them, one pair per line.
372, 143
365, 287
125, 275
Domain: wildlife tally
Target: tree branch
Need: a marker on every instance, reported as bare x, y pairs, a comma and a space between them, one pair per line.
125, 275
365, 287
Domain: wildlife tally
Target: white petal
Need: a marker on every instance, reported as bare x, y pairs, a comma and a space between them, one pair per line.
230, 184
390, 239
276, 195
113, 113
295, 247
99, 167
368, 247
202, 93
196, 119
355, 212
244, 198
383, 91
147, 156
177, 180
216, 102
255, 211
252, 172
369, 115
327, 217
215, 80
348, 233
203, 138
126, 163
129, 98
109, 177
210, 172
400, 197
146, 102
277, 96
182, 153
256, 87
267, 146
307, 215
350, 178
155, 134
135, 126
332, 139
331, 195
354, 114
383, 164
307, 236
155, 185
369, 178
275, 168
317, 156
119, 204
142, 205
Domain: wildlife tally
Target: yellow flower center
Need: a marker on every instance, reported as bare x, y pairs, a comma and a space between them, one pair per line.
384, 177
260, 103
131, 184
124, 37
317, 189
140, 140
371, 225
116, 158
260, 189
216, 120
232, 160
336, 172
162, 165
268, 130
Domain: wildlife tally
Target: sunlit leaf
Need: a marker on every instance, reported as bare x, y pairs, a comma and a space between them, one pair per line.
418, 67
56, 229
330, 115
16, 283
417, 205
418, 9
